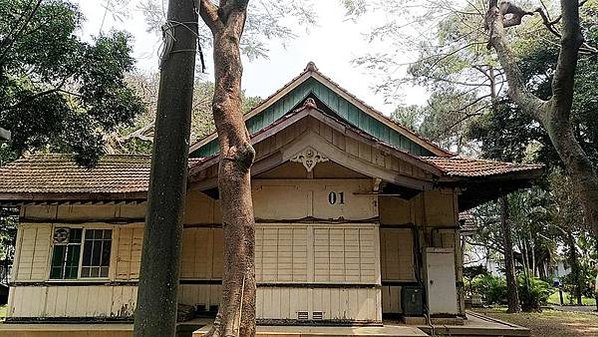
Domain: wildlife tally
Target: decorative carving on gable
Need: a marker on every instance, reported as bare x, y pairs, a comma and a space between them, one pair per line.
309, 157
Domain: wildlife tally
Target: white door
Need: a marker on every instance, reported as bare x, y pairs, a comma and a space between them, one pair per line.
442, 287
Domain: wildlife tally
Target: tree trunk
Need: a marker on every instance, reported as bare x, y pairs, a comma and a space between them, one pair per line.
160, 262
512, 290
575, 272
236, 314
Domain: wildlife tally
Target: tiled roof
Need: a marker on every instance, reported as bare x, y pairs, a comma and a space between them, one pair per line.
55, 173
129, 174
469, 168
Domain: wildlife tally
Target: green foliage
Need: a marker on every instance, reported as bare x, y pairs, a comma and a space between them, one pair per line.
57, 92
137, 138
444, 118
533, 292
470, 272
8, 232
493, 289
588, 278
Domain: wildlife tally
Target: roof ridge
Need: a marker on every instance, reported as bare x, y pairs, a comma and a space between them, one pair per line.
70, 155
487, 160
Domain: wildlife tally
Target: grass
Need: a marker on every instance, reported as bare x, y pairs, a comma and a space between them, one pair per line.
2, 312
554, 299
550, 323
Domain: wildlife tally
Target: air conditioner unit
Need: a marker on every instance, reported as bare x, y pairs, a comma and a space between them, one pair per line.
61, 235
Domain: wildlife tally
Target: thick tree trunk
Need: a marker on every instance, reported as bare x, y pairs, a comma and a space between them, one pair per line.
512, 290
236, 314
160, 262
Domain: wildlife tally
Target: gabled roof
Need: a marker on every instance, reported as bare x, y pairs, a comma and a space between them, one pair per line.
356, 112
442, 167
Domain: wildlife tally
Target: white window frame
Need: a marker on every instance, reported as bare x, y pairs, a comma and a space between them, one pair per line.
81, 252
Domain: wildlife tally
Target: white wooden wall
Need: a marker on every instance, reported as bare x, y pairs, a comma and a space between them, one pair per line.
286, 253
33, 252
359, 304
295, 254
201, 260
321, 253
72, 301
127, 243
292, 199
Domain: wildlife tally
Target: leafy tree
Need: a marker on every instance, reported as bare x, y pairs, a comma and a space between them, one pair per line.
57, 92
267, 20
138, 137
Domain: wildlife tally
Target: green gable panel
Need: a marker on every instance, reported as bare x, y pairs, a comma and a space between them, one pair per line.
341, 106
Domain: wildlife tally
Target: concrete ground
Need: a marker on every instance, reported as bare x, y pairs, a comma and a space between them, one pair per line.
475, 325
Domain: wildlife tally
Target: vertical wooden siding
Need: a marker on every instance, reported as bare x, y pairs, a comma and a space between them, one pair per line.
355, 304
318, 253
341, 106
397, 265
72, 301
201, 260
33, 252
128, 242
396, 254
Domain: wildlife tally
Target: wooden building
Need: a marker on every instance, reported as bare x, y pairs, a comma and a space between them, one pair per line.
352, 211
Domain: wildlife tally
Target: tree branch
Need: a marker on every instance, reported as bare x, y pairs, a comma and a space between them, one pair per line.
209, 14
571, 41
495, 23
228, 6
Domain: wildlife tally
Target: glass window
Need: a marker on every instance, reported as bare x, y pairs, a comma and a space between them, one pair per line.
96, 253
67, 259
67, 248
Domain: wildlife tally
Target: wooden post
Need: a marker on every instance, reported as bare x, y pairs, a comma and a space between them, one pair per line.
160, 263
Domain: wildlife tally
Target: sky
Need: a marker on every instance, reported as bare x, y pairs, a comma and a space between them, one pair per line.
332, 45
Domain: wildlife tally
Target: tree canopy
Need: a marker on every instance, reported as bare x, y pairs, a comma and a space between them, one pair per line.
57, 91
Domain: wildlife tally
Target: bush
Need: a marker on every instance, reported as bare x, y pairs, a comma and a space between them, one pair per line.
533, 292
493, 289
588, 277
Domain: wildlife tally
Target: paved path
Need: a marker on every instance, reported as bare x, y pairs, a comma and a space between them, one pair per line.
575, 308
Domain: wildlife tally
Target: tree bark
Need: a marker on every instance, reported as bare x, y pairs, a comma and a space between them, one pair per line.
554, 114
236, 314
160, 262
512, 289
